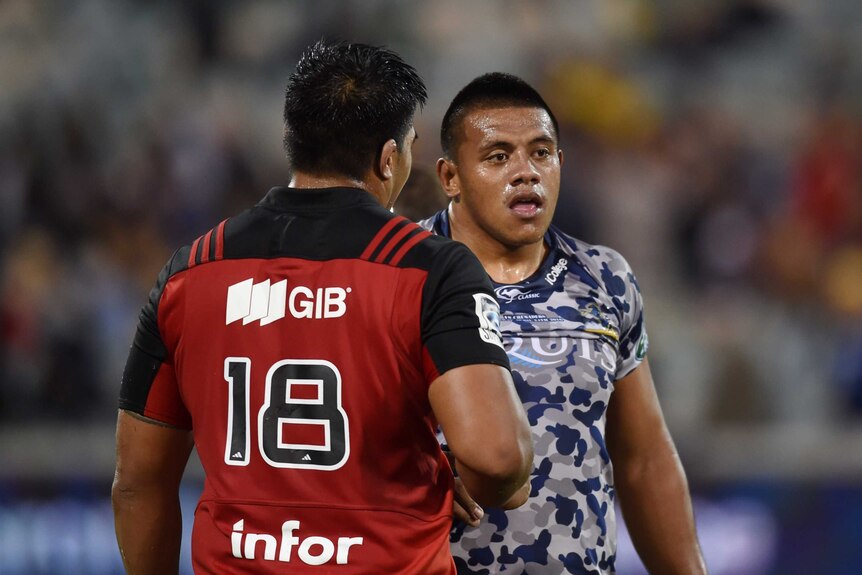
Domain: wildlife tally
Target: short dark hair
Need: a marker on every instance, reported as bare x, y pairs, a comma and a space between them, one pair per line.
343, 102
494, 90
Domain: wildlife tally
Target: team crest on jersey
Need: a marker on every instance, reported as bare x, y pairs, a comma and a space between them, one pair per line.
598, 321
488, 312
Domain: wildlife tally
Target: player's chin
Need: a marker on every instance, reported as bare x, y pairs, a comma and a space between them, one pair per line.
525, 234
530, 229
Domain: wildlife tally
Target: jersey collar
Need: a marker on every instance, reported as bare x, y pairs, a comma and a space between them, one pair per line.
284, 198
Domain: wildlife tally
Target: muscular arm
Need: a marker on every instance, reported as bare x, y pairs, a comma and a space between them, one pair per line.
145, 495
487, 431
650, 482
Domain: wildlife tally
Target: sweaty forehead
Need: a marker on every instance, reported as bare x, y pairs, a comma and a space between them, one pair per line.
512, 124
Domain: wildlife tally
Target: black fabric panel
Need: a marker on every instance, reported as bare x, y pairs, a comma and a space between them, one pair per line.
462, 347
148, 350
314, 225
211, 246
450, 325
138, 376
199, 251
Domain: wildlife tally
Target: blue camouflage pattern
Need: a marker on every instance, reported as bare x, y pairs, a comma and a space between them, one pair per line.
571, 330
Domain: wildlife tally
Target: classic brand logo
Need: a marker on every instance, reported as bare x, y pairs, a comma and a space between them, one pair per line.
250, 302
509, 294
311, 551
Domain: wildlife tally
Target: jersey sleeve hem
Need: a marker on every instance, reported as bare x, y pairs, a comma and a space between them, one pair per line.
154, 415
461, 362
628, 370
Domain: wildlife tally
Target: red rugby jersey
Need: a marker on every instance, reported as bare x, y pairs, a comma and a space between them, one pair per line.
298, 340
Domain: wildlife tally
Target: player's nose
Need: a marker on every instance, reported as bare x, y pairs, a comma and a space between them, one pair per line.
524, 171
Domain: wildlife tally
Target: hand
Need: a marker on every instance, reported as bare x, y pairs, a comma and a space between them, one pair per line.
463, 506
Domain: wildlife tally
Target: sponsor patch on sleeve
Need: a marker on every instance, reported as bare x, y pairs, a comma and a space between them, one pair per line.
643, 344
488, 312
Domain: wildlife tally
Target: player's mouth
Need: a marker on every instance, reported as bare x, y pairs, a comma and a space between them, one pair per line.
526, 204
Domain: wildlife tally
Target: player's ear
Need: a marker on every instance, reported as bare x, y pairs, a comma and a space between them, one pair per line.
387, 160
447, 173
560, 156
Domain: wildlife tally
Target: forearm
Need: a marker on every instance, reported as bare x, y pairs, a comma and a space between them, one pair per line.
656, 505
490, 440
149, 530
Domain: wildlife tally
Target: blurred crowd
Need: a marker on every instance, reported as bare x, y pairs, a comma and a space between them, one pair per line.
717, 145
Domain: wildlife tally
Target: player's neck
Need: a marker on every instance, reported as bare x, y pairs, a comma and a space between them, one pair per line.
306, 180
504, 264
511, 266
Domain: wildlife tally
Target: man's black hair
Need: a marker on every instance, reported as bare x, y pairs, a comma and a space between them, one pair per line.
494, 90
343, 102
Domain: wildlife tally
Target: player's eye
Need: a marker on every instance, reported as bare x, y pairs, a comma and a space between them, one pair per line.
543, 152
498, 157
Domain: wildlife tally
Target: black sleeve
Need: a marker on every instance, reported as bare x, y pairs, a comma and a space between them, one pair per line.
147, 352
460, 315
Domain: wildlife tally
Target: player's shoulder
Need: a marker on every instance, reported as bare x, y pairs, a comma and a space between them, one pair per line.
439, 244
362, 230
210, 246
394, 240
590, 255
181, 260
433, 249
608, 266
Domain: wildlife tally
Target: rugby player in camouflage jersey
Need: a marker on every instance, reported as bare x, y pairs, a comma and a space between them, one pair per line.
573, 327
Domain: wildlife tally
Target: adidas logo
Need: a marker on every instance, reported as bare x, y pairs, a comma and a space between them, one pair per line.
236, 455
307, 457
267, 303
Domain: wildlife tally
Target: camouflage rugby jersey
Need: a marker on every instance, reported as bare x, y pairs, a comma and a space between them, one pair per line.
571, 330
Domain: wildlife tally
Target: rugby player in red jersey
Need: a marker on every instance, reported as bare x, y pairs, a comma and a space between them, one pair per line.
308, 348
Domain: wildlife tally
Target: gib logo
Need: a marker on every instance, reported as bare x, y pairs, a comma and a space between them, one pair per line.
311, 550
250, 302
559, 267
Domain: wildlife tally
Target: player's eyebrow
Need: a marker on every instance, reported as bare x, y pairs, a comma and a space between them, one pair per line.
543, 139
496, 144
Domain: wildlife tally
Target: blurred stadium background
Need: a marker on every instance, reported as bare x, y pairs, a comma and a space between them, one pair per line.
717, 144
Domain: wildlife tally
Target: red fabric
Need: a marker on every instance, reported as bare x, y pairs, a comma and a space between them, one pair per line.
219, 253
205, 253
193, 252
164, 402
